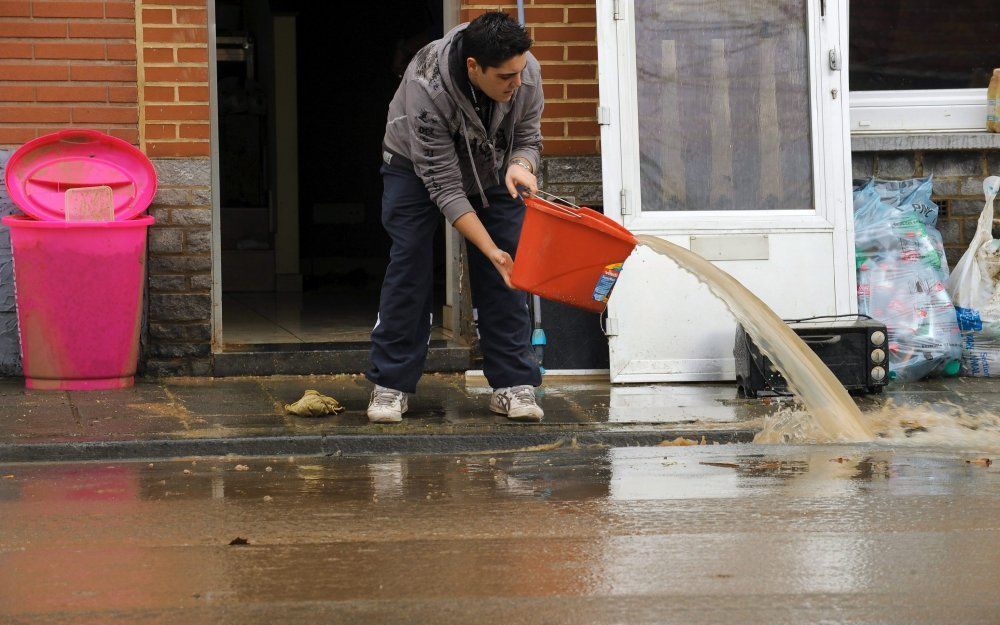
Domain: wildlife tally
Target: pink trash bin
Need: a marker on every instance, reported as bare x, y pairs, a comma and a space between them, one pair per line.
79, 291
79, 285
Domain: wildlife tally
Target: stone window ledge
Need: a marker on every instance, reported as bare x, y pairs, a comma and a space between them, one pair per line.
909, 142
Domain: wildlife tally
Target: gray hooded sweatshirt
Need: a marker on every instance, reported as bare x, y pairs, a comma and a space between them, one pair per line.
436, 127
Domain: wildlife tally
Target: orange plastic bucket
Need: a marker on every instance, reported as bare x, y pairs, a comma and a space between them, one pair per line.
570, 255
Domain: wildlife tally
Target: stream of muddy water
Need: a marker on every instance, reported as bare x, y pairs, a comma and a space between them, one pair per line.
835, 416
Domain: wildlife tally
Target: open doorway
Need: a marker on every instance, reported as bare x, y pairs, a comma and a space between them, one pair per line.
304, 88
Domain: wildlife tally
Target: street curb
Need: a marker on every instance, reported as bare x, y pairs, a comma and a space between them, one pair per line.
354, 444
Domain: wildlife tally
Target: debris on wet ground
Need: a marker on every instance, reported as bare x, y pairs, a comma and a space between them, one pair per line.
680, 441
239, 540
314, 404
724, 465
562, 443
983, 462
241, 467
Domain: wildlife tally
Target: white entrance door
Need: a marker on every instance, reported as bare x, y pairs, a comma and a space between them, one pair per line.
726, 132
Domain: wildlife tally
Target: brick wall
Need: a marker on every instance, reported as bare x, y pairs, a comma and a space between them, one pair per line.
173, 77
958, 186
565, 35
174, 124
67, 63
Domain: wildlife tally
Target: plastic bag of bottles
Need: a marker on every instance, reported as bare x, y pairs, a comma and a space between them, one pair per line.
975, 289
902, 277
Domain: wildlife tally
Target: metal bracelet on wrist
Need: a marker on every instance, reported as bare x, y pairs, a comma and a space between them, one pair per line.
522, 163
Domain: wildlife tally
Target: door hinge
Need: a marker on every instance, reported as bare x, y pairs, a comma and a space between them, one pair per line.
617, 6
603, 116
626, 209
610, 327
822, 8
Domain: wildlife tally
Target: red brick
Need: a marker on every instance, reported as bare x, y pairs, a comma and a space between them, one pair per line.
172, 148
583, 129
564, 33
174, 35
571, 146
158, 94
120, 73
470, 14
72, 93
541, 16
553, 129
576, 91
192, 55
157, 16
553, 90
176, 74
15, 50
167, 112
128, 95
48, 8
121, 51
158, 55
195, 131
17, 94
586, 15
161, 131
578, 71
549, 53
119, 10
556, 110
102, 30
105, 114
82, 51
189, 3
16, 136
15, 8
34, 114
126, 134
591, 2
19, 30
192, 94
581, 53
192, 16
34, 71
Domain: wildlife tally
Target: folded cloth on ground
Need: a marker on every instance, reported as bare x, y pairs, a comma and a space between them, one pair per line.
314, 404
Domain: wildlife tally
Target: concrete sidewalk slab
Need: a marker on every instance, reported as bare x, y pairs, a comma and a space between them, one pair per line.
174, 417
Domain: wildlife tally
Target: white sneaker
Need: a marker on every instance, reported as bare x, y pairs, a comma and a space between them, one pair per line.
387, 405
517, 402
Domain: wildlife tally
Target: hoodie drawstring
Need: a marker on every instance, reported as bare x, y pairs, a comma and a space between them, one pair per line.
472, 160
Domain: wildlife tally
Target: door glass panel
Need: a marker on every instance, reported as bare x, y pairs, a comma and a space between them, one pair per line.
724, 108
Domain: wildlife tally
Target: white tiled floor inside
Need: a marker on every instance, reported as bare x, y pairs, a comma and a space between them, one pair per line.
311, 317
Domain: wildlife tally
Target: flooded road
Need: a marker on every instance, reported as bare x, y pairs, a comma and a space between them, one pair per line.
704, 534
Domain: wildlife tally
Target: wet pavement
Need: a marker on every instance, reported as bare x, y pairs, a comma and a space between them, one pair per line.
190, 416
741, 534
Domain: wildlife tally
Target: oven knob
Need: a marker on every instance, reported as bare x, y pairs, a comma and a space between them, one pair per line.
878, 374
878, 356
878, 337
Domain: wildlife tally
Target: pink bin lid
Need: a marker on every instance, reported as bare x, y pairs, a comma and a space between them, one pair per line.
40, 171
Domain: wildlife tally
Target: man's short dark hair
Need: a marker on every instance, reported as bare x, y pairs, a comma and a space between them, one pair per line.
494, 37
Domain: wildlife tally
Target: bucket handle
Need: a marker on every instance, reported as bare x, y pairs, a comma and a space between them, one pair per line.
563, 208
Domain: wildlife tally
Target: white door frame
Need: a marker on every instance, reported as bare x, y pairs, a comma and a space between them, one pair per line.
830, 121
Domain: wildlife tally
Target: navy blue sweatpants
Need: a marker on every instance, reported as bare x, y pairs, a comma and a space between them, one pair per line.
401, 333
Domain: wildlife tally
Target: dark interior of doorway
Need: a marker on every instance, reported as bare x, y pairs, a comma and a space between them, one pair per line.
349, 57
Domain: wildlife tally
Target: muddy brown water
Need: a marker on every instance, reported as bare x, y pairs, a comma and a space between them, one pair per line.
835, 415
